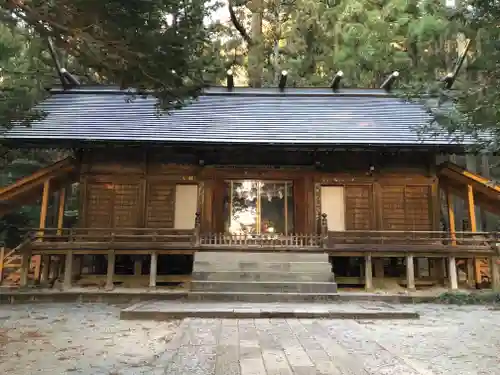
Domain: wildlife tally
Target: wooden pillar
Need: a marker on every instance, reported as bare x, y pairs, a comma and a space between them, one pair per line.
410, 273
452, 273
25, 267
43, 220
60, 211
451, 217
485, 172
2, 261
68, 270
153, 270
473, 228
368, 273
111, 270
495, 273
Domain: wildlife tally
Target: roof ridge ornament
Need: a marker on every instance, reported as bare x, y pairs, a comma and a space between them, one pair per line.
387, 84
229, 80
282, 83
336, 80
68, 81
449, 79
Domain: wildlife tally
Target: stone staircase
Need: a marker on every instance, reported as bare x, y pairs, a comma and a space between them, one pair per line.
261, 277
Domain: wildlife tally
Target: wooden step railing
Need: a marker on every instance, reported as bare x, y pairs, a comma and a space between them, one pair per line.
10, 264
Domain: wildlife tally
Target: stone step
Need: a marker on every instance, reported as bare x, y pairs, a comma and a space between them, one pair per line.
161, 310
262, 276
263, 286
218, 257
263, 297
205, 266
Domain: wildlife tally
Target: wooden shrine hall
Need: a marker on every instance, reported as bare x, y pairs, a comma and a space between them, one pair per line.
343, 172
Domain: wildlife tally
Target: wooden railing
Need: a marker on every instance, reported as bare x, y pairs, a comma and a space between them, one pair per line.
327, 241
297, 240
113, 236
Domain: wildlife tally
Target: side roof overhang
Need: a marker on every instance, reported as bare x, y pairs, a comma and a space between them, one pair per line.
307, 117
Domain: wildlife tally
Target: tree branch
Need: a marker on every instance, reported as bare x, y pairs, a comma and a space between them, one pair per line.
237, 24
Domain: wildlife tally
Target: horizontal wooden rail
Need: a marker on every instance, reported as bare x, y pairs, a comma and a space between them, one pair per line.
332, 242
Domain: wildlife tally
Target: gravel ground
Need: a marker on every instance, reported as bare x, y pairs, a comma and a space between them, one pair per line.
90, 339
78, 339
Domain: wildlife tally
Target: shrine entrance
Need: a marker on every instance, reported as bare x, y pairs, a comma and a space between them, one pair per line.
258, 207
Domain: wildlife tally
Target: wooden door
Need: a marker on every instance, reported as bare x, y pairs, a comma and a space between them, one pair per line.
333, 205
186, 205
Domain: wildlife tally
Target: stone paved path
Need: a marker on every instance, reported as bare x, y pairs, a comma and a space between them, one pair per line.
90, 340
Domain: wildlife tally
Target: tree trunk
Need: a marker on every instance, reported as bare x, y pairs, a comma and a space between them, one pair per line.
255, 50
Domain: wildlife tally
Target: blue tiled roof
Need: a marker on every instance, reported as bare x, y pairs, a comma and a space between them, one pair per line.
252, 116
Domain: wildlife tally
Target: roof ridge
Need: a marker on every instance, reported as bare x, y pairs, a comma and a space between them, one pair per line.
236, 91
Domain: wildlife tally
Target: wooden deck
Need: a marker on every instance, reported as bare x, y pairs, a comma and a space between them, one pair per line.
346, 243
367, 244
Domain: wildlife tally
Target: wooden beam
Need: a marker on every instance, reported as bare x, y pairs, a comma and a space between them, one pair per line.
452, 273
368, 273
451, 217
471, 208
153, 270
410, 272
111, 270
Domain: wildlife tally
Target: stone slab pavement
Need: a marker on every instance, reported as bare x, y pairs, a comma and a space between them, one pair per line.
90, 339
166, 310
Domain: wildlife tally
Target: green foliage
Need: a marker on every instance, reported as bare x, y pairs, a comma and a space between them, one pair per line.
22, 76
365, 39
463, 298
156, 45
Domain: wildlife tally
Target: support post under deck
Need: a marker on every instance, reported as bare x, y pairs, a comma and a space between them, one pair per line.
110, 271
410, 272
153, 270
368, 273
452, 273
68, 270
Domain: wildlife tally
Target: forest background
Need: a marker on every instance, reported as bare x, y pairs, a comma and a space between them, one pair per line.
175, 48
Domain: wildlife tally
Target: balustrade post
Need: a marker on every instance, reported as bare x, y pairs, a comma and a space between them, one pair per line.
197, 229
324, 230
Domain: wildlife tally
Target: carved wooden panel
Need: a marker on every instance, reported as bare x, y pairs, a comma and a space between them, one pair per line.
417, 201
99, 205
393, 208
359, 207
160, 204
126, 212
406, 208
